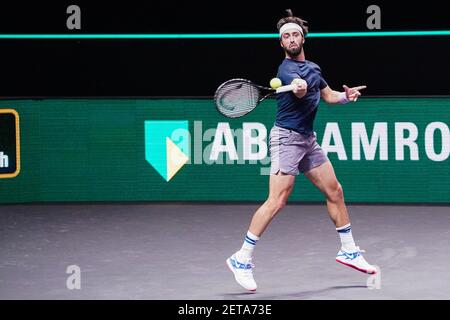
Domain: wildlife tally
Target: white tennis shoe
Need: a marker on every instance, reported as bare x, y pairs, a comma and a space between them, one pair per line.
355, 260
243, 272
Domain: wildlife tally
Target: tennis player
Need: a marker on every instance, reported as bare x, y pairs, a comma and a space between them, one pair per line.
294, 149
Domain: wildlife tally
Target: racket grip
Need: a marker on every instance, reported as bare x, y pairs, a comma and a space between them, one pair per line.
287, 88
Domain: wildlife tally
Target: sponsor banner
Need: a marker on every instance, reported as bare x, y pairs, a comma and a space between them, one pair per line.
382, 149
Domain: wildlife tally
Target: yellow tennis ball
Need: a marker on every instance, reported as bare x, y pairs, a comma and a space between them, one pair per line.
275, 83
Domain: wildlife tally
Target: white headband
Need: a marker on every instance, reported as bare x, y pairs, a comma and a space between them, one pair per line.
290, 25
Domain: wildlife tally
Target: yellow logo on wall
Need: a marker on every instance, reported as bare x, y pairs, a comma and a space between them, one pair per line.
9, 143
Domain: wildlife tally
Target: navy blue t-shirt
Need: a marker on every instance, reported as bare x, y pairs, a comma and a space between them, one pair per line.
294, 113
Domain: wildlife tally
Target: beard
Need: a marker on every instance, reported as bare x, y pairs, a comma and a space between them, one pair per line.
294, 52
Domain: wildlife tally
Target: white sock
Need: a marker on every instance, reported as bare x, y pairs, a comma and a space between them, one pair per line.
345, 233
248, 246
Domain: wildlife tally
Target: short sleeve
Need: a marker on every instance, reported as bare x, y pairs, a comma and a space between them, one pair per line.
323, 84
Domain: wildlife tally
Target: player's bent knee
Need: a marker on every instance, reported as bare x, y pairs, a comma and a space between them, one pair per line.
336, 193
276, 205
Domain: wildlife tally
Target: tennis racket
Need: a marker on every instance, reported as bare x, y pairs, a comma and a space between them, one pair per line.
237, 97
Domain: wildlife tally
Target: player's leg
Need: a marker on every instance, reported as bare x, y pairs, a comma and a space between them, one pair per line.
324, 178
285, 157
280, 187
240, 263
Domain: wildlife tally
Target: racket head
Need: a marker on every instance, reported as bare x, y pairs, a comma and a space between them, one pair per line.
237, 97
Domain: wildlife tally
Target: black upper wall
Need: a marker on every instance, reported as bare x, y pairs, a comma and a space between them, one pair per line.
388, 66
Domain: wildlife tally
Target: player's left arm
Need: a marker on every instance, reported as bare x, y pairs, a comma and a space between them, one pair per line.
336, 97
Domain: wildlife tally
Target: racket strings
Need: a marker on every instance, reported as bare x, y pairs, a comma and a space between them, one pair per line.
236, 99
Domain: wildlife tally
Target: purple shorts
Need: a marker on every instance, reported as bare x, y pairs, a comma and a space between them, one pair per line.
292, 152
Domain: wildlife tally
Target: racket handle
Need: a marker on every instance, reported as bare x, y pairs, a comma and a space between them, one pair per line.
287, 88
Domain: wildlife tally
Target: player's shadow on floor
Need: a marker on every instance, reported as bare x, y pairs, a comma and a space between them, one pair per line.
292, 295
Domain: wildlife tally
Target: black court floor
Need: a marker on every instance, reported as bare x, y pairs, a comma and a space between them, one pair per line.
178, 251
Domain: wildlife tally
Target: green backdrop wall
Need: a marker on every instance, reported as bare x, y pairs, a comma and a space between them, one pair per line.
95, 150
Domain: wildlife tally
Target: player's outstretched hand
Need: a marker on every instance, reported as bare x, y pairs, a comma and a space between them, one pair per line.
353, 93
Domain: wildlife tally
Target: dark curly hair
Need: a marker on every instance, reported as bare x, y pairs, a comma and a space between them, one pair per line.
289, 17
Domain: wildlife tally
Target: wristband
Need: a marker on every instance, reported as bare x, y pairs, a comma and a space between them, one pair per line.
343, 98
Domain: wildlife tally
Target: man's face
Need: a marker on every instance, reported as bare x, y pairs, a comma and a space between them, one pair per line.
292, 42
